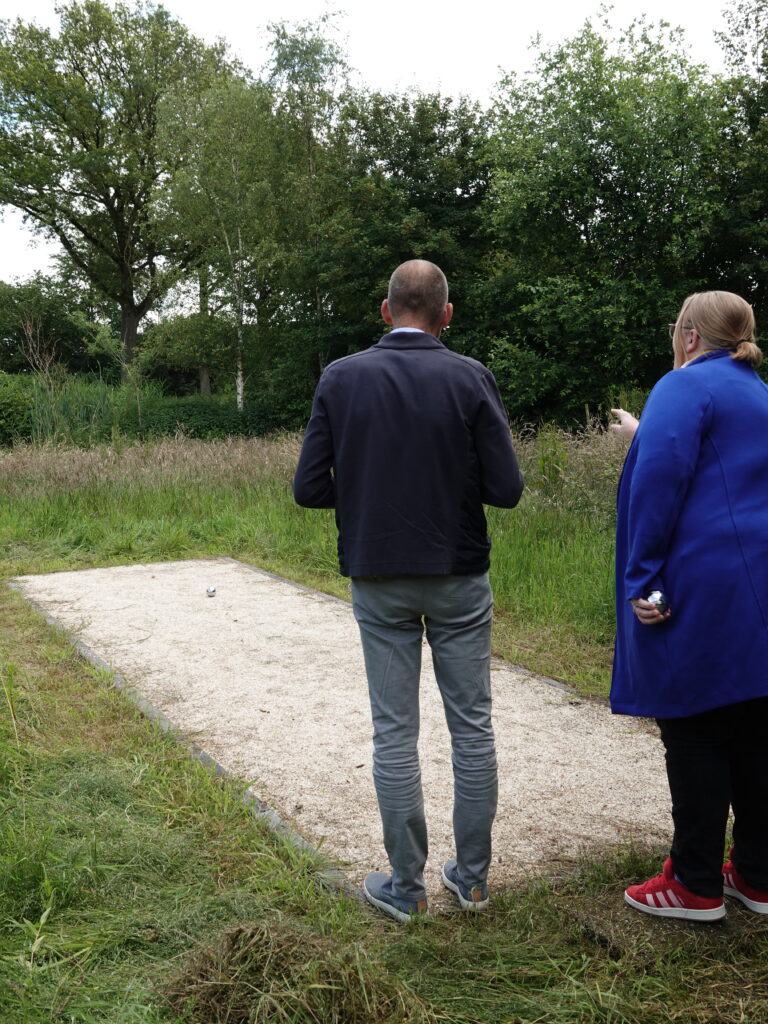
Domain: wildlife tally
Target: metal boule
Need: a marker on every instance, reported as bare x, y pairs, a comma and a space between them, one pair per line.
658, 598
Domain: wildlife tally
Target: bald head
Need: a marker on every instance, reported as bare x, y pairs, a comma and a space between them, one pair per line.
418, 297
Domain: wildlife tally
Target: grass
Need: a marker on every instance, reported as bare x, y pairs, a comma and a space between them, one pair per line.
136, 889
551, 562
82, 411
118, 854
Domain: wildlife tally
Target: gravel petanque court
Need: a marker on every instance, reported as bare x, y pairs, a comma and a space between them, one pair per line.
267, 678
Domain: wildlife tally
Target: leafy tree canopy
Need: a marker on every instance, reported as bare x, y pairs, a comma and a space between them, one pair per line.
78, 140
601, 207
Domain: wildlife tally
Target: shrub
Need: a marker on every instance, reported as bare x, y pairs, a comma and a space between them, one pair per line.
86, 411
207, 419
83, 410
15, 408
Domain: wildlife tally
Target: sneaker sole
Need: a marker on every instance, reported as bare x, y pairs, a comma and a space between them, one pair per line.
387, 908
753, 905
684, 913
465, 903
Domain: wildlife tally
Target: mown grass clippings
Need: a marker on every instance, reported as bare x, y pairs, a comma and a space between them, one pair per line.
569, 951
282, 972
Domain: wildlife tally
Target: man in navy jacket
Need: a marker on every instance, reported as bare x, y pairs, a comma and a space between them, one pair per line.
406, 441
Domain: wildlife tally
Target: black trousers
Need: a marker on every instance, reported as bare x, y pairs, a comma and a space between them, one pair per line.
715, 761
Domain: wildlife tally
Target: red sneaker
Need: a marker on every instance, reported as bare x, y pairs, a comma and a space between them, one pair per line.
664, 896
734, 885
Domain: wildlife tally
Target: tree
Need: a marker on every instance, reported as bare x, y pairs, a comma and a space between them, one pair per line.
604, 185
222, 200
308, 74
392, 177
79, 153
737, 255
39, 325
411, 181
196, 342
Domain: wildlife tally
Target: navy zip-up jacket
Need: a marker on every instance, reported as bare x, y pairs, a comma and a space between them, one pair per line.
406, 441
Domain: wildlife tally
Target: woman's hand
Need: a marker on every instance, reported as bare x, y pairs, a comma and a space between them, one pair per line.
627, 424
647, 613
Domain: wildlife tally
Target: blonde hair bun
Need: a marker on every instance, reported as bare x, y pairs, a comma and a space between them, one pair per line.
725, 321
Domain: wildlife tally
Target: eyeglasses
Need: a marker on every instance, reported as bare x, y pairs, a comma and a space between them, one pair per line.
671, 329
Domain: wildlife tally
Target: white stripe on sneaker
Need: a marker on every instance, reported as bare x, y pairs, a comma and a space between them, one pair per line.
661, 897
674, 899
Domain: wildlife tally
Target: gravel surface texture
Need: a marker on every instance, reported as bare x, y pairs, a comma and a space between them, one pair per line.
267, 677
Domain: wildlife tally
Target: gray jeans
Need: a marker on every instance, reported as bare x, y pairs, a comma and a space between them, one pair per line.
392, 613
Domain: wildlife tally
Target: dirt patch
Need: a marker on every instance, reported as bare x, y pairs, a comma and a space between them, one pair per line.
268, 678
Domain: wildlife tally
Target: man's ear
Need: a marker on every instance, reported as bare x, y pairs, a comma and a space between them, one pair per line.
386, 315
447, 315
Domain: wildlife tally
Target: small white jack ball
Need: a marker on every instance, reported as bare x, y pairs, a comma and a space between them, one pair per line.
211, 591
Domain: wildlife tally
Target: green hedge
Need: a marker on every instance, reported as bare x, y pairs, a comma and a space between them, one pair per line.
208, 418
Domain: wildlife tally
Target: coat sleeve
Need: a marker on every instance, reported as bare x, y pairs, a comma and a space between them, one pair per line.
501, 482
668, 442
313, 482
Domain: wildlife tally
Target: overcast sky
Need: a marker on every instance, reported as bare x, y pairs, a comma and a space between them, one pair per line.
450, 47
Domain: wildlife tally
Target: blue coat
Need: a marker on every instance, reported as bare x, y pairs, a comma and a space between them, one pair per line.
406, 441
693, 522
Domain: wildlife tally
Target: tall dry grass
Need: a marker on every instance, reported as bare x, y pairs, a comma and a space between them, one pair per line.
562, 469
552, 557
29, 470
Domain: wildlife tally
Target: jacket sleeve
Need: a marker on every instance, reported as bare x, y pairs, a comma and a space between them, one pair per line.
313, 483
668, 443
501, 482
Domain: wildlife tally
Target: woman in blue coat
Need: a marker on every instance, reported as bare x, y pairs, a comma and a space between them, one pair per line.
693, 525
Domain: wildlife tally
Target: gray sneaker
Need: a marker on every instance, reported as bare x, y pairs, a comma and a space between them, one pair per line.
470, 899
377, 889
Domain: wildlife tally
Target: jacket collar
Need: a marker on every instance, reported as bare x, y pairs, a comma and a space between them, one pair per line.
712, 353
409, 339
